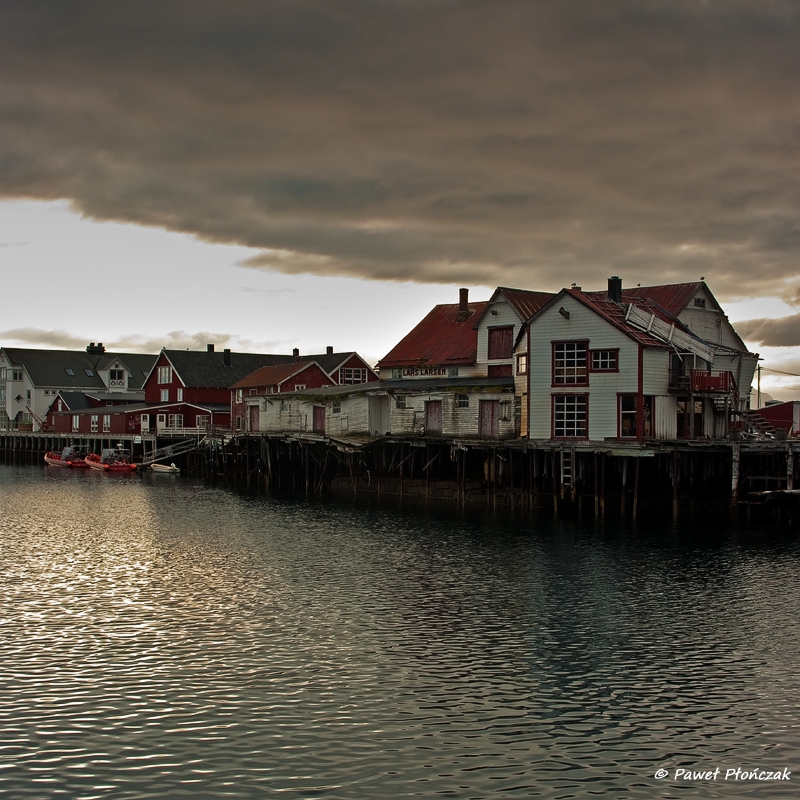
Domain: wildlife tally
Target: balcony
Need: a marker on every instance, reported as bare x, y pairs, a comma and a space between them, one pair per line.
702, 382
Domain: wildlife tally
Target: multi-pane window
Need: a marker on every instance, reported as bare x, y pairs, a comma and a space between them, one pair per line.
522, 364
462, 400
94, 421
203, 421
337, 407
180, 395
165, 374
400, 401
16, 374
76, 422
116, 378
569, 416
349, 375
175, 421
165, 395
605, 360
106, 423
569, 363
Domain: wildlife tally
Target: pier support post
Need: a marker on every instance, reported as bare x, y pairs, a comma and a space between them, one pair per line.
735, 467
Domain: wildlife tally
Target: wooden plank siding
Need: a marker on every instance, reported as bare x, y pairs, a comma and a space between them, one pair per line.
603, 387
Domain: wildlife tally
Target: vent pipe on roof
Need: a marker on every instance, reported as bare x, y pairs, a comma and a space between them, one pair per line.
226, 356
615, 289
209, 348
329, 350
463, 299
296, 354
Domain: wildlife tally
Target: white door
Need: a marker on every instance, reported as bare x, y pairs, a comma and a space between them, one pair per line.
161, 422
145, 423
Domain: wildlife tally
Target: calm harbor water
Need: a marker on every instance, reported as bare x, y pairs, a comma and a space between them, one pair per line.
161, 638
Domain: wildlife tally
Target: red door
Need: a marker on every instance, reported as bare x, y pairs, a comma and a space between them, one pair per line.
319, 419
254, 418
433, 418
490, 419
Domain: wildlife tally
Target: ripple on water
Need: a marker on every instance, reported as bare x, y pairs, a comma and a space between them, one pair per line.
178, 640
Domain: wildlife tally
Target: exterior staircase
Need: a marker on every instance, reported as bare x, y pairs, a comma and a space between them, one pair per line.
172, 450
756, 424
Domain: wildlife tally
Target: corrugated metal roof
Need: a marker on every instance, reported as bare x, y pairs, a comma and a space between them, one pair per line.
615, 314
445, 336
272, 376
672, 297
524, 302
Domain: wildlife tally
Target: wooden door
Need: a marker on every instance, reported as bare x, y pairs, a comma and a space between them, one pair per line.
254, 418
379, 415
319, 419
433, 418
489, 424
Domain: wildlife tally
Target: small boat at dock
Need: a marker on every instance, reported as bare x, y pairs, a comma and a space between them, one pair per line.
112, 459
163, 469
68, 457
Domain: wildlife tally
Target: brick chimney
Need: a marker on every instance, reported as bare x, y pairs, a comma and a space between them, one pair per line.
296, 354
463, 300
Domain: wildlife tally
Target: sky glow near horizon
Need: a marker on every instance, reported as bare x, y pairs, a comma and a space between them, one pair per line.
305, 174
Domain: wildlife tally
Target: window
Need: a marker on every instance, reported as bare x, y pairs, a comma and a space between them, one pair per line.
180, 395
238, 395
106, 423
116, 378
299, 387
522, 364
700, 302
569, 416
76, 422
337, 407
89, 373
93, 423
69, 372
165, 374
605, 360
400, 401
452, 372
28, 396
628, 428
569, 363
501, 342
253, 392
349, 375
203, 421
462, 400
238, 423
16, 374
286, 405
165, 395
175, 421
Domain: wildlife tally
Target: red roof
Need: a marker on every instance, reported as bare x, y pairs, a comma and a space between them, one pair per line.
673, 297
272, 376
445, 336
525, 302
615, 313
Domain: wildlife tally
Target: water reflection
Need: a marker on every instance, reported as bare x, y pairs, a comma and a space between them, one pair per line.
162, 639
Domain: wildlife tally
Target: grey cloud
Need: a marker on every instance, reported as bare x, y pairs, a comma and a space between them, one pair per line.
494, 142
780, 332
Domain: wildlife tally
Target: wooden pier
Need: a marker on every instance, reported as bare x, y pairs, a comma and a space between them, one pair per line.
676, 478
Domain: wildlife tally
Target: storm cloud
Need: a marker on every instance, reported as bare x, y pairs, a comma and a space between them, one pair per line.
779, 332
486, 142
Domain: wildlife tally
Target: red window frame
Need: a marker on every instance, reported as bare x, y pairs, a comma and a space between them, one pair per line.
553, 401
556, 384
614, 350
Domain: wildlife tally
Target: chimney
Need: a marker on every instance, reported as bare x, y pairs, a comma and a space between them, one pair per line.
615, 289
329, 350
296, 354
209, 348
226, 356
95, 349
463, 300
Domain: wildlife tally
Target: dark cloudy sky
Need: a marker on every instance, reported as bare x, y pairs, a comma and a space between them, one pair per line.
444, 142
